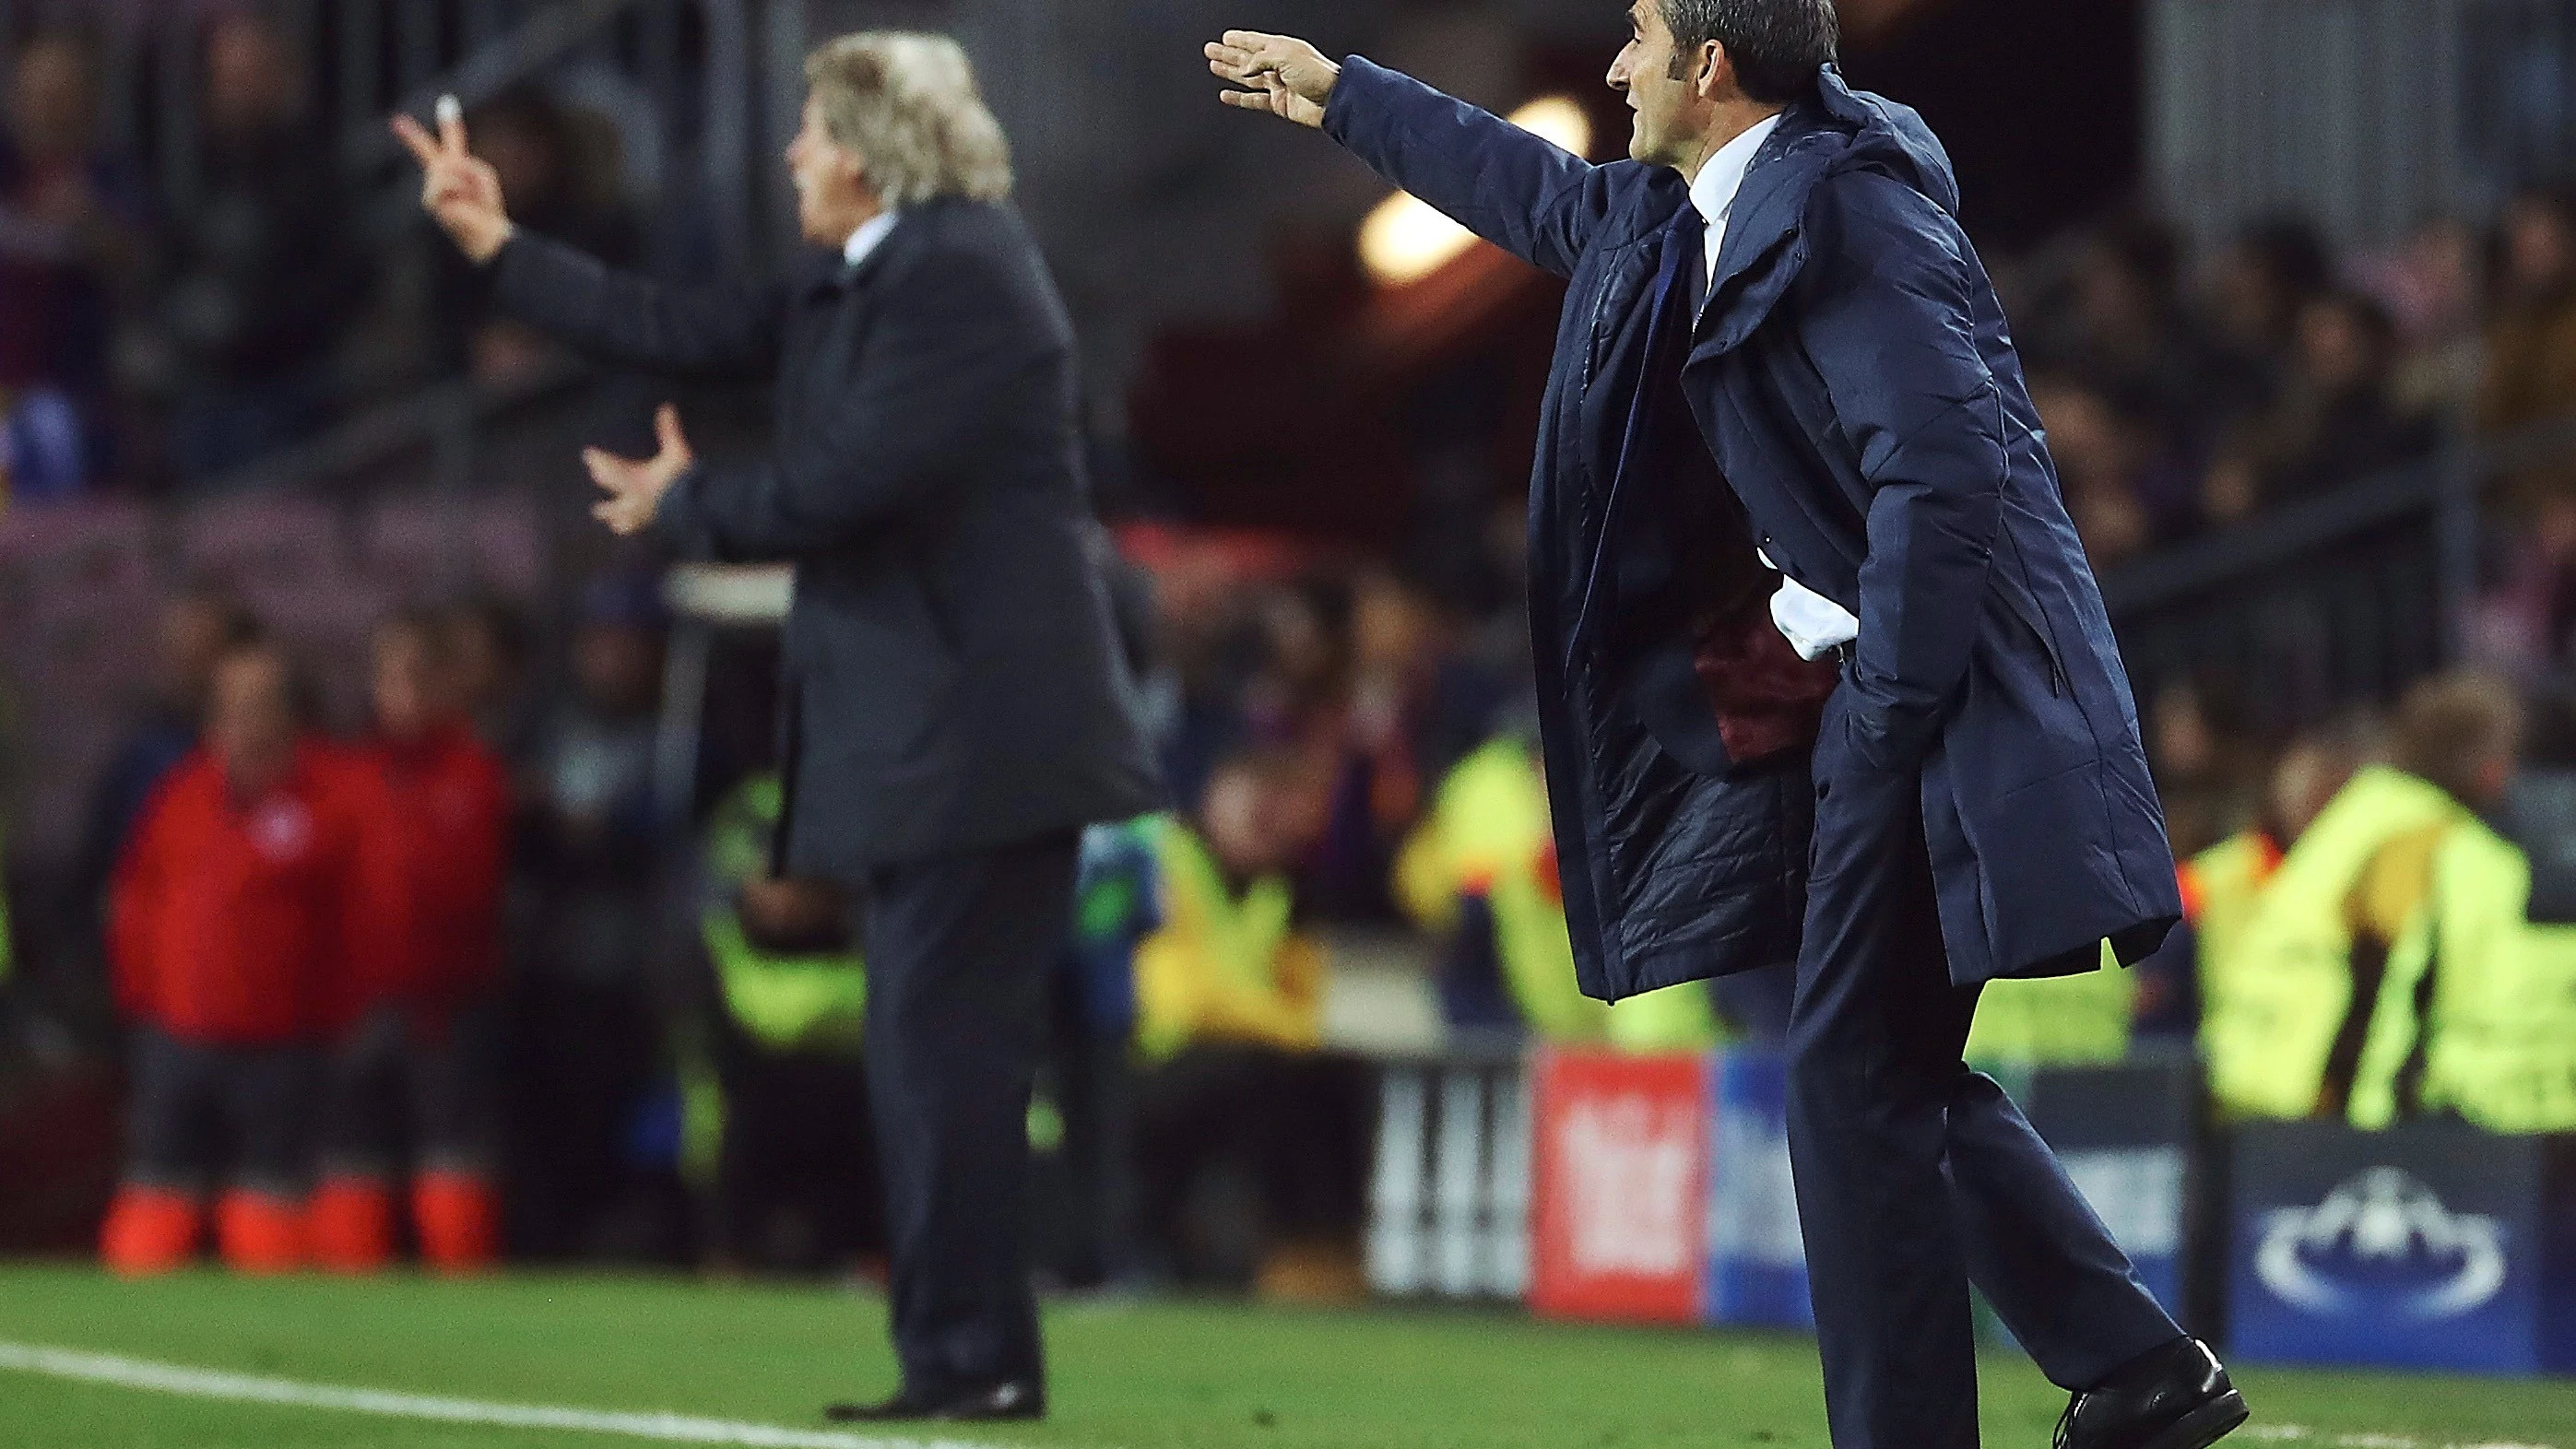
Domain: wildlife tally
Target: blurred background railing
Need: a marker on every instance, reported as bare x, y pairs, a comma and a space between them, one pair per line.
2367, 115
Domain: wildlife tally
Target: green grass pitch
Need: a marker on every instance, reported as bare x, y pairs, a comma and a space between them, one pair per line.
1126, 1375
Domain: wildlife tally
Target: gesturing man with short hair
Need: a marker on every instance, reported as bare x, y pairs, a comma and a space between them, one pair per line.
1823, 672
954, 709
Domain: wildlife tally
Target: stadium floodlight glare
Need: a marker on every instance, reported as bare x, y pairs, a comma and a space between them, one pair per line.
1404, 240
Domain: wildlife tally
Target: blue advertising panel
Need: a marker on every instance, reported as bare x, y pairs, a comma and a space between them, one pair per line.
1757, 1262
2430, 1246
2124, 1134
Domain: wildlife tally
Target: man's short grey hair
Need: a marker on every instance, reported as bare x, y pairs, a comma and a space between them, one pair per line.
1778, 46
908, 106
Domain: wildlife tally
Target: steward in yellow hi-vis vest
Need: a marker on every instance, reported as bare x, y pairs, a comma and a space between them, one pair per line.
2477, 1014
2271, 1018
1236, 1090
774, 1105
1227, 963
1483, 858
2221, 887
783, 1000
2288, 1015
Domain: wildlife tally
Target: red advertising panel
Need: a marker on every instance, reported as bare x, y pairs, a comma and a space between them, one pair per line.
1620, 1187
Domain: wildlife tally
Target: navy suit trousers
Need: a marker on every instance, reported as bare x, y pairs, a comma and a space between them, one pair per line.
1914, 1174
959, 952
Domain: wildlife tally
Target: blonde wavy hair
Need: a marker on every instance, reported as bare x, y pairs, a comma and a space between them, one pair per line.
908, 105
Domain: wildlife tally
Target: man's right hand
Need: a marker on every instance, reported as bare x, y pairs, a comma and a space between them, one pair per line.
458, 188
1279, 74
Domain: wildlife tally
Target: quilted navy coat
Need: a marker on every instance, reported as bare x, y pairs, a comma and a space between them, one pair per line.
1847, 401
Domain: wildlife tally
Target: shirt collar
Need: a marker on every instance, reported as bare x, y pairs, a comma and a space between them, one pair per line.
1712, 192
867, 237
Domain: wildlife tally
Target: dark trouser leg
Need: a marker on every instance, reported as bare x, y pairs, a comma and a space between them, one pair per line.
1095, 1090
1874, 1039
2038, 1250
958, 953
363, 1080
455, 1096
1911, 1169
1198, 1114
796, 1140
269, 1095
173, 1113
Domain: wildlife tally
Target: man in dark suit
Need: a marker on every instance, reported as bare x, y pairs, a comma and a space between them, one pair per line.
1824, 675
954, 707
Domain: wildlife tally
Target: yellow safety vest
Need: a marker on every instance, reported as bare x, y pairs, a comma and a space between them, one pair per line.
784, 1002
2056, 1020
2221, 887
2270, 1016
787, 1003
1488, 831
1221, 965
2494, 1032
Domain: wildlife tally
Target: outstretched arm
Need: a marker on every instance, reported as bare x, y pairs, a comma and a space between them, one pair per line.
1888, 327
620, 318
1526, 195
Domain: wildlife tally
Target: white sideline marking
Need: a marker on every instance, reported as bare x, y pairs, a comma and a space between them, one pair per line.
2302, 1434
165, 1378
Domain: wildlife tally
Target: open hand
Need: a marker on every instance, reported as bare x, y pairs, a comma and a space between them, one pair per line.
635, 487
1280, 74
458, 188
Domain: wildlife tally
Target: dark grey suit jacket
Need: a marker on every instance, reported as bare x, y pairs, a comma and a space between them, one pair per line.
951, 677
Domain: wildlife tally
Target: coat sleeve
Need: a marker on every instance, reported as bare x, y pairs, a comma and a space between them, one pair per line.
1526, 195
914, 420
1886, 321
728, 333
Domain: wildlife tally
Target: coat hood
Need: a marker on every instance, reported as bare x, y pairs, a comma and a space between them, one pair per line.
1836, 131
1890, 138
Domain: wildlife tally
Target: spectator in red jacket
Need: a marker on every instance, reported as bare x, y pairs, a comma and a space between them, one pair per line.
411, 1064
226, 916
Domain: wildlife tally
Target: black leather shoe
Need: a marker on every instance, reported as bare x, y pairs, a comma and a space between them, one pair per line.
2175, 1397
1008, 1400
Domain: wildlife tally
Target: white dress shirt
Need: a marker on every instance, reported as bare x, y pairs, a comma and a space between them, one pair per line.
870, 234
1812, 623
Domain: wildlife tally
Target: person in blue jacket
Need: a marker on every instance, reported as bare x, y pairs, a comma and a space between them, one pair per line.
1824, 673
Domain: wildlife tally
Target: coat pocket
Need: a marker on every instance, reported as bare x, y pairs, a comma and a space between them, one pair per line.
2049, 870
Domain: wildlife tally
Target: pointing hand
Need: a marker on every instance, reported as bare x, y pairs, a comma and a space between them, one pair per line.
1279, 74
458, 188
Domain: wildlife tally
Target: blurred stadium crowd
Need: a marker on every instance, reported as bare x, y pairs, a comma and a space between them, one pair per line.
152, 348
400, 946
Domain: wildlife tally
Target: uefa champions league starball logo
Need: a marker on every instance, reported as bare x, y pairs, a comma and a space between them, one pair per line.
2382, 1241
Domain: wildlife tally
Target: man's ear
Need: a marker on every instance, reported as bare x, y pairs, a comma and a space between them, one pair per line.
1716, 71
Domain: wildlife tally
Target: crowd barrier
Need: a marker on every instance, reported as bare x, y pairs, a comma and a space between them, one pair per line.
1602, 1187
